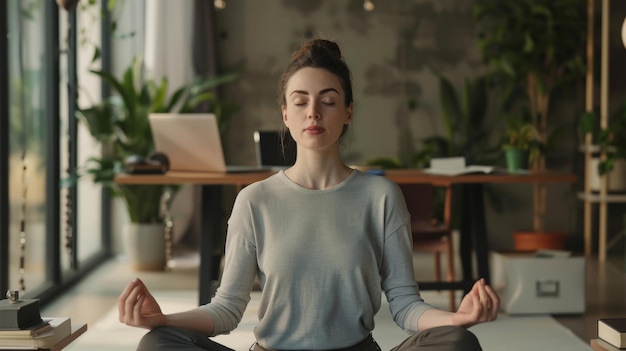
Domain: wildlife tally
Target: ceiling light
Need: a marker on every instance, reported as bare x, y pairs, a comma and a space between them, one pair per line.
220, 4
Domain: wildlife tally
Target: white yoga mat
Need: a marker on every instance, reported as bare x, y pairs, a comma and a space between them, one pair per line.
521, 333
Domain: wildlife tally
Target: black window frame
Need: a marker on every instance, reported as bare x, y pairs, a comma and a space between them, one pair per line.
57, 281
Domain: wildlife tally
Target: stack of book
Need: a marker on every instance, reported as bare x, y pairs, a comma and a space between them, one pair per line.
43, 335
21, 325
611, 334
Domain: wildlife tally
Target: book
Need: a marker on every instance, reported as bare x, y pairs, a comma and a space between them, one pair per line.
30, 331
613, 331
61, 327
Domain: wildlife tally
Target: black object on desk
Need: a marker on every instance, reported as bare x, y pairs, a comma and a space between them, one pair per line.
18, 314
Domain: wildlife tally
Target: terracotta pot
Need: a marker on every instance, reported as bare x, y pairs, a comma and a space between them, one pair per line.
532, 241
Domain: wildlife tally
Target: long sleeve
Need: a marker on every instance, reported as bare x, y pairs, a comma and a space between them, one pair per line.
322, 259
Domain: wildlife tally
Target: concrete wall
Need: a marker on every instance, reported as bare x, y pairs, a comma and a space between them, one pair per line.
394, 53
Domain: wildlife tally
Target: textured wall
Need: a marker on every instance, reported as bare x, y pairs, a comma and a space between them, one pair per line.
393, 51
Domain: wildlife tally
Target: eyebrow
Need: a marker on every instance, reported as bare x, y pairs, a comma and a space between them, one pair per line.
322, 92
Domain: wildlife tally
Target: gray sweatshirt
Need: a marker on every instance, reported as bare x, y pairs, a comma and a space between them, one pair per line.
322, 258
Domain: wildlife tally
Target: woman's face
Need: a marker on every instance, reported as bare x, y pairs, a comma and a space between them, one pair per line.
315, 110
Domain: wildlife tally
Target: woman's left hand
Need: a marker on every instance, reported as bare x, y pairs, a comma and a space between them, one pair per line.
480, 305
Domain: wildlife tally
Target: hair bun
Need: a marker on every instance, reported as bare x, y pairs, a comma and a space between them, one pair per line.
331, 48
318, 48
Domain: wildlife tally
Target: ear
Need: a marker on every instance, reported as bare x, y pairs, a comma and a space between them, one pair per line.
349, 110
284, 112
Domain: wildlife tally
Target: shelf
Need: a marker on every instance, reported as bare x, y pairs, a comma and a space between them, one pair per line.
594, 149
595, 197
589, 148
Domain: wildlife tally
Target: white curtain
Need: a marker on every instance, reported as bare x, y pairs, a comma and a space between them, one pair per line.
169, 37
168, 53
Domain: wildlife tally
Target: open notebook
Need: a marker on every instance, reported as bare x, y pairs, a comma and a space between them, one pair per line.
192, 142
456, 166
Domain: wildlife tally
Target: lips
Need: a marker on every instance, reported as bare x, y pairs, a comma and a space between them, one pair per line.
314, 130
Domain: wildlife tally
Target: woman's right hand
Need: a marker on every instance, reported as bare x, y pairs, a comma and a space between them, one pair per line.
138, 308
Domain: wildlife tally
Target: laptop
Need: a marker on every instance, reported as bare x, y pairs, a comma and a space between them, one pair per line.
272, 152
192, 143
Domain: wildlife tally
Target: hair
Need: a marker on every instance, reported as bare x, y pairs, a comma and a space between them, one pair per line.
318, 53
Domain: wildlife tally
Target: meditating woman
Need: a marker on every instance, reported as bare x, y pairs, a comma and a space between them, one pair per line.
323, 240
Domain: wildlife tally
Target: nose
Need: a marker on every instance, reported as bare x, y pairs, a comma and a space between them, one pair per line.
314, 112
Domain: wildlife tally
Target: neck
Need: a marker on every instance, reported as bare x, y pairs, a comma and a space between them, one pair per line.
318, 172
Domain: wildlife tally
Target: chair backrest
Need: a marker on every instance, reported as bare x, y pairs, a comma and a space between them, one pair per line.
419, 201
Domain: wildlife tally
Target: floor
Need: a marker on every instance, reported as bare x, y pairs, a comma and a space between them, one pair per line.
94, 296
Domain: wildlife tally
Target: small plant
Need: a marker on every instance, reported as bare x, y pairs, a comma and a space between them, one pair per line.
610, 140
536, 46
523, 136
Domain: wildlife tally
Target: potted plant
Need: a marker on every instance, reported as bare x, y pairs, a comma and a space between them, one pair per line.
521, 145
609, 157
533, 48
120, 124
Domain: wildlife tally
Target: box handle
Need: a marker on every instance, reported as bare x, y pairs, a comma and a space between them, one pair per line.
547, 288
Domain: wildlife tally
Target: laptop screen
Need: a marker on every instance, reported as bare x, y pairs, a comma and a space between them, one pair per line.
190, 141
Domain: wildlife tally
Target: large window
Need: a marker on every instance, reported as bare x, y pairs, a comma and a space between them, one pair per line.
27, 143
53, 232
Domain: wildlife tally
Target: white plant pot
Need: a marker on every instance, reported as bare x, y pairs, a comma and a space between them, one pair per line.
144, 244
616, 179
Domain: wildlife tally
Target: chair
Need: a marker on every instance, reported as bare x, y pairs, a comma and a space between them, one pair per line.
428, 234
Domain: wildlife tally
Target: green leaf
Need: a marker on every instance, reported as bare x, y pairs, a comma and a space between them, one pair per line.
529, 44
98, 120
586, 122
450, 107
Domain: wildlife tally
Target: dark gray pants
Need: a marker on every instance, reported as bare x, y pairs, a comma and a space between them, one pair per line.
435, 339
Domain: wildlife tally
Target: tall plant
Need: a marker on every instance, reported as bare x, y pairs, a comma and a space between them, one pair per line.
120, 124
537, 47
464, 115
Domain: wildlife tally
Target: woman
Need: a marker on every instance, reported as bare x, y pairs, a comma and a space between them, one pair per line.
324, 241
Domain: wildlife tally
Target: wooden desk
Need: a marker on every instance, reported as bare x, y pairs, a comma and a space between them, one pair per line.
77, 330
473, 228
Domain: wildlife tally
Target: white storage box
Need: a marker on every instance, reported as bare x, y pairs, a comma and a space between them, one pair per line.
546, 282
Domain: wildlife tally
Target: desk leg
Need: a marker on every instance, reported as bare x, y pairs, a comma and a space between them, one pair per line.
473, 234
466, 235
211, 204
